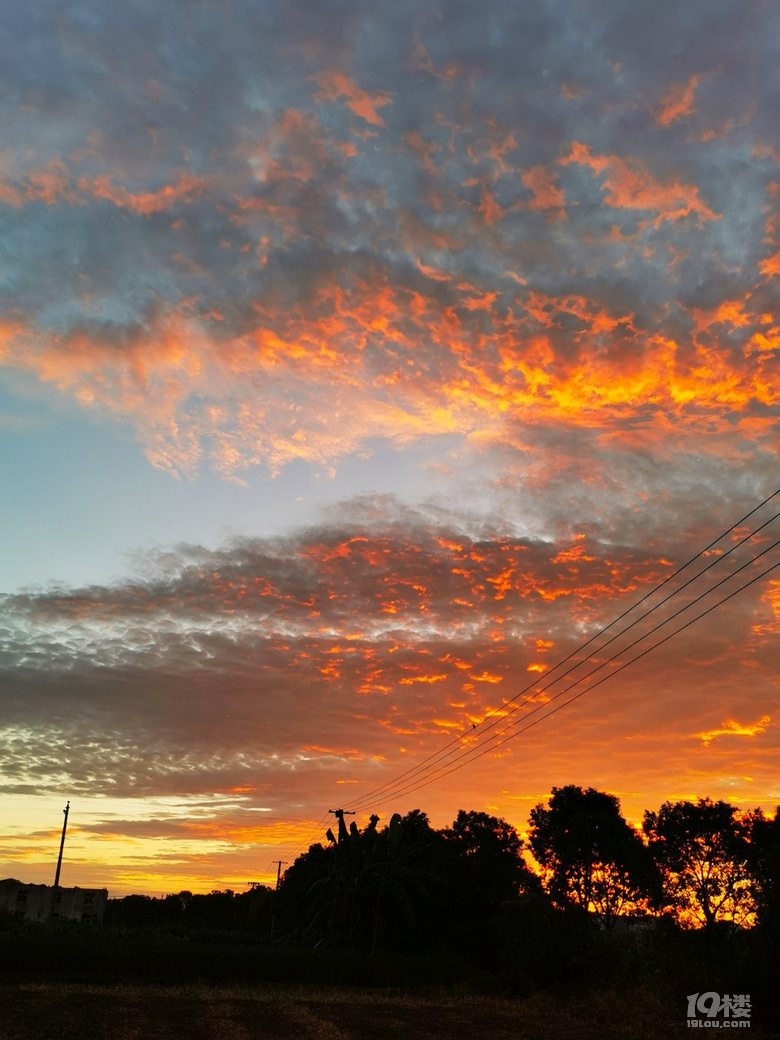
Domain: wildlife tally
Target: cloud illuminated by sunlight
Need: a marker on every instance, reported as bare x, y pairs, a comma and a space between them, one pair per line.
730, 728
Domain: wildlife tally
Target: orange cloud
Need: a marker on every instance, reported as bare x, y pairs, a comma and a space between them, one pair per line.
770, 266
421, 61
147, 202
772, 598
315, 381
48, 182
676, 103
721, 130
336, 86
423, 679
489, 208
629, 186
728, 312
730, 728
53, 182
546, 193
432, 272
272, 616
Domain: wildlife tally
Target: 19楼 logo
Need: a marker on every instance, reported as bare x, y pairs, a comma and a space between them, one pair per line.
735, 1010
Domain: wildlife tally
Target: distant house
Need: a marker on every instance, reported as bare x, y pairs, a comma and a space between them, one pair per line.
42, 902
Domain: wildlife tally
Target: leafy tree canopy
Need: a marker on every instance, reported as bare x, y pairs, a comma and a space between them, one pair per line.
764, 856
489, 857
591, 856
702, 850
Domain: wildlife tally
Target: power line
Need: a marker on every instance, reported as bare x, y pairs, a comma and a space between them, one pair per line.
308, 840
436, 760
434, 764
456, 742
474, 752
559, 707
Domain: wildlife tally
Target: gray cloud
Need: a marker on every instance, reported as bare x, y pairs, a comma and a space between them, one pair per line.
538, 239
272, 662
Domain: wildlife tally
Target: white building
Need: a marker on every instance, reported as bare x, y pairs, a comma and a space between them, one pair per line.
43, 902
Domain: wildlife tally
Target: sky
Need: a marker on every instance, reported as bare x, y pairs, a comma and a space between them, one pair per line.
359, 363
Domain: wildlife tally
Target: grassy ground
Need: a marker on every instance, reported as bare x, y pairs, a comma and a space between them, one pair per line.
62, 983
50, 1010
74, 955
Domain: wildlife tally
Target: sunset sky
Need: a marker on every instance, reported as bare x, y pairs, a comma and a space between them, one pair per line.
359, 361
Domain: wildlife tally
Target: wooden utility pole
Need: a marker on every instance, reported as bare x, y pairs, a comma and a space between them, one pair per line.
278, 863
53, 904
66, 810
340, 814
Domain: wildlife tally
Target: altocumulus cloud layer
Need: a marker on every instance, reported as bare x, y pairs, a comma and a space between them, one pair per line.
537, 242
280, 668
262, 232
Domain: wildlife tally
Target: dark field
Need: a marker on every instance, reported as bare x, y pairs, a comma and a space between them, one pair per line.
68, 983
79, 1011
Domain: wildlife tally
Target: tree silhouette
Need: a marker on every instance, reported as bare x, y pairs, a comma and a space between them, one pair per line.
367, 890
396, 885
764, 859
484, 868
299, 902
702, 849
488, 851
590, 855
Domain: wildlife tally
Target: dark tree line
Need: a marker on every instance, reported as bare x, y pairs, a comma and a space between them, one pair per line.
226, 911
700, 865
408, 886
584, 901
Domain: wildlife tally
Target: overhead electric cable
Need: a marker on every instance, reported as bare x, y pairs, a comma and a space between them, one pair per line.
308, 840
455, 744
471, 753
459, 765
434, 760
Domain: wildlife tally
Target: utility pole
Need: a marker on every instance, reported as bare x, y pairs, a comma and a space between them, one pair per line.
53, 904
66, 810
278, 863
340, 814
